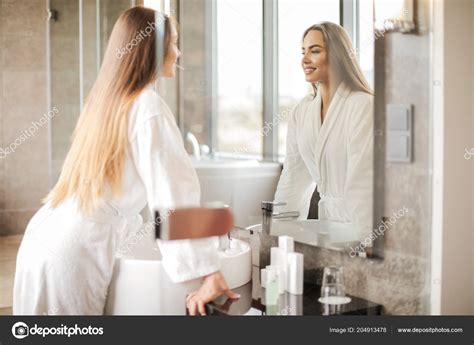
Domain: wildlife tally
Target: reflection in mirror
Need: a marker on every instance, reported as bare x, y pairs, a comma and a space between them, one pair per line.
328, 167
321, 104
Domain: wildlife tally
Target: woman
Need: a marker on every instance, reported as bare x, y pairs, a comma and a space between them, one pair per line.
330, 134
126, 152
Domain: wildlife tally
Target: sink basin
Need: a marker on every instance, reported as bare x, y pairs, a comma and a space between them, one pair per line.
236, 263
140, 286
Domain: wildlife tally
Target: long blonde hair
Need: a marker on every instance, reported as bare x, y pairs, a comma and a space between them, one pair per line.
100, 139
341, 56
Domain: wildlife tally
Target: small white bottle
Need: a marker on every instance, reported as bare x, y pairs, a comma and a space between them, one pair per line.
278, 259
271, 289
263, 277
286, 244
295, 273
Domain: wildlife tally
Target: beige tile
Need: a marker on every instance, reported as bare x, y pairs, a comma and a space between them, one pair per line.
63, 127
65, 54
26, 169
6, 311
8, 250
1, 29
2, 139
24, 88
67, 23
15, 221
26, 132
65, 89
26, 185
25, 18
24, 53
2, 183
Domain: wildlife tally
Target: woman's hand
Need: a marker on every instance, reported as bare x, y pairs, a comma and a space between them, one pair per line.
212, 287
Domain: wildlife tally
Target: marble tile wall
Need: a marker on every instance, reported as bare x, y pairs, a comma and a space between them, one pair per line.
472, 145
24, 173
64, 47
65, 73
26, 176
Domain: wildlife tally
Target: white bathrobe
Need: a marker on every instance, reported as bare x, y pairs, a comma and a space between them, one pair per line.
66, 260
336, 156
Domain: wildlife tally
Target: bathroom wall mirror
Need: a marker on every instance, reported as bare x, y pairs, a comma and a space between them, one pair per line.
241, 77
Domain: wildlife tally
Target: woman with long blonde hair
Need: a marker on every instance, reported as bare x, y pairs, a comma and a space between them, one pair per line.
330, 135
126, 152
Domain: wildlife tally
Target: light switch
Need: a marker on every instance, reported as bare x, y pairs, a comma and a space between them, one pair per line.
397, 147
397, 118
399, 133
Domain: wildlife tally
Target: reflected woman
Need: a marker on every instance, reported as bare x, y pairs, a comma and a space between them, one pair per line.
330, 134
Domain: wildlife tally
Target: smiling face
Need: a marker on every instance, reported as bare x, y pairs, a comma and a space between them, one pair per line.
315, 59
173, 53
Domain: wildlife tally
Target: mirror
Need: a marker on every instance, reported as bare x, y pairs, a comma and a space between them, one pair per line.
244, 96
268, 107
328, 168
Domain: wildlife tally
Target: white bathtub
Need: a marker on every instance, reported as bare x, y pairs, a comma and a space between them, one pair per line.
241, 184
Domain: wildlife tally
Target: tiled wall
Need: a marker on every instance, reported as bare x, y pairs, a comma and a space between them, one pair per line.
65, 85
401, 281
472, 145
64, 50
24, 174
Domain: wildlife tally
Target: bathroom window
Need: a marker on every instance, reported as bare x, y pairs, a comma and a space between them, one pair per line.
366, 38
238, 117
294, 17
158, 5
256, 84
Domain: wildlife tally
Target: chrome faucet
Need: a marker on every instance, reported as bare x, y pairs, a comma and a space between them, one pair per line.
268, 215
198, 150
261, 241
266, 240
194, 144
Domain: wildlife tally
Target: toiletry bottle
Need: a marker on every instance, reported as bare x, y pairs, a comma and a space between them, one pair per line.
286, 244
263, 277
271, 289
295, 273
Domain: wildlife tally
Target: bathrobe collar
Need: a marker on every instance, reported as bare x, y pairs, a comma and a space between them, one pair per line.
325, 129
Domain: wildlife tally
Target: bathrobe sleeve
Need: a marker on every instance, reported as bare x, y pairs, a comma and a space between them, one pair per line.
358, 188
171, 181
296, 185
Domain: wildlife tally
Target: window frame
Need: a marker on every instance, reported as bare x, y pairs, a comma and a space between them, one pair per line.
349, 10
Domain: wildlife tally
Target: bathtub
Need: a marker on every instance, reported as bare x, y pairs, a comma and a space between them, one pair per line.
241, 184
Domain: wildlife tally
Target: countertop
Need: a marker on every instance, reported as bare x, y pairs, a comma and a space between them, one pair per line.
252, 302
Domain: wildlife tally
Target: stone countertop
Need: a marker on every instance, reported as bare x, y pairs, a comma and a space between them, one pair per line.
252, 302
